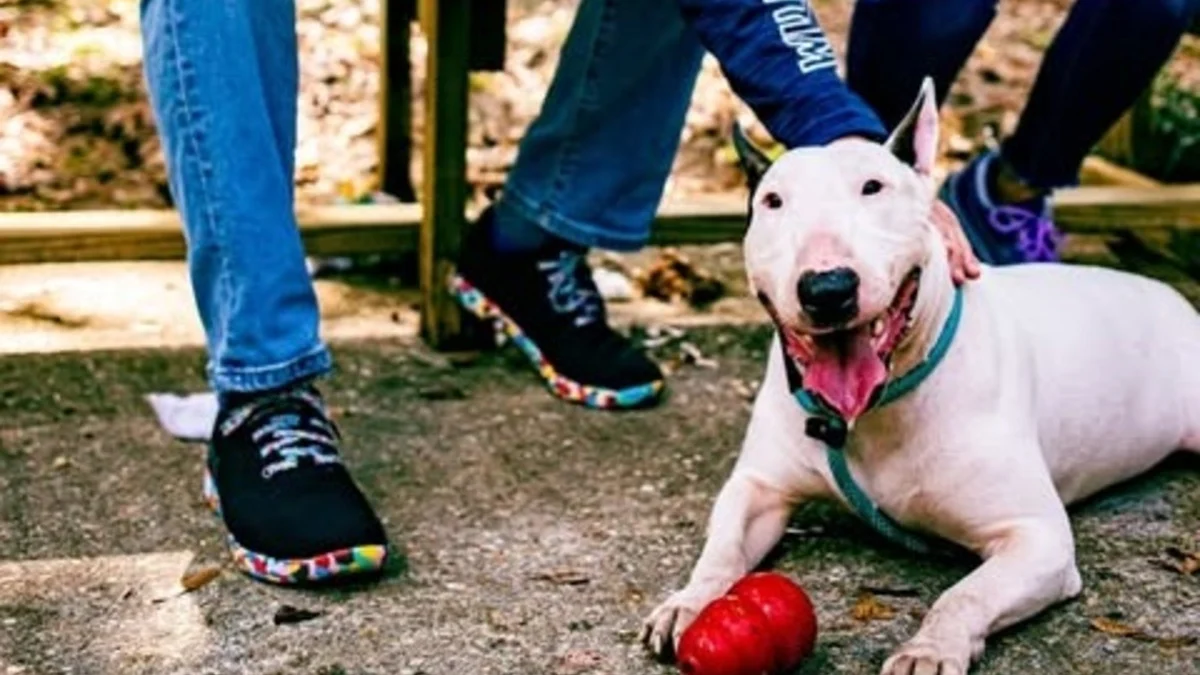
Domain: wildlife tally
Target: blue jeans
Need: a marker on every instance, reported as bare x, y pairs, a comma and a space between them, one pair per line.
1106, 53
223, 78
592, 166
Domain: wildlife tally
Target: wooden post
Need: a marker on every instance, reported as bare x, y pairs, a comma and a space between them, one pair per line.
446, 25
395, 114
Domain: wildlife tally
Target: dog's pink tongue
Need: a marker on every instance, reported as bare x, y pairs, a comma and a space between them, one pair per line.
845, 371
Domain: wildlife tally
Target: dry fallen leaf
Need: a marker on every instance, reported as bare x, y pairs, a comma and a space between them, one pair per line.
192, 580
1176, 642
288, 614
1117, 629
869, 608
1111, 627
674, 276
563, 577
199, 578
1186, 563
578, 661
889, 591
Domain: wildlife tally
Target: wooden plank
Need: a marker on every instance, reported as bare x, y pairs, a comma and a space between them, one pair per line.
446, 25
77, 236
395, 101
1092, 209
710, 221
1099, 171
1105, 209
65, 236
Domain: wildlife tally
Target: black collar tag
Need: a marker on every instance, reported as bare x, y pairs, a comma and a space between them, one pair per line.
831, 432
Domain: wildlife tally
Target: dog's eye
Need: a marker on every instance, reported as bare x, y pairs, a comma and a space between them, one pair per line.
772, 200
871, 187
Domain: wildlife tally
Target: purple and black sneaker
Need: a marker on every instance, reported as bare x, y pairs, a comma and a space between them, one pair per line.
1000, 234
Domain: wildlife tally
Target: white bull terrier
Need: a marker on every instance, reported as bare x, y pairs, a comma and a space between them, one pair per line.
1039, 385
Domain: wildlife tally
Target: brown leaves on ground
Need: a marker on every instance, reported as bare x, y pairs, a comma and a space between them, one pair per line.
200, 577
287, 614
194, 580
1115, 628
673, 277
576, 661
1112, 627
563, 577
890, 591
1186, 563
868, 608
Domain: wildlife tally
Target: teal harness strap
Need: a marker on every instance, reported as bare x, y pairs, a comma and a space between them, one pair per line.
830, 427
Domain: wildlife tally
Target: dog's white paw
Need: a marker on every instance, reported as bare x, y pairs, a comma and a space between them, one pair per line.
926, 658
665, 625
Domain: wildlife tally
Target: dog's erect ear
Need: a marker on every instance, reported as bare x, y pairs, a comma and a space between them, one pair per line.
915, 139
754, 161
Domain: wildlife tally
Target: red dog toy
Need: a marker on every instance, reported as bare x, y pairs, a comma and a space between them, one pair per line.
764, 625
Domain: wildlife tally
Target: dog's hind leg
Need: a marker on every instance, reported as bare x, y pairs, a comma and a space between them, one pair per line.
1191, 436
1191, 393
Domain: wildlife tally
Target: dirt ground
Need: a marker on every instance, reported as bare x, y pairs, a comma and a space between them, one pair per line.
537, 534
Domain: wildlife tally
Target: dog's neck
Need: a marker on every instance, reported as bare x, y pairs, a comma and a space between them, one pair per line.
935, 300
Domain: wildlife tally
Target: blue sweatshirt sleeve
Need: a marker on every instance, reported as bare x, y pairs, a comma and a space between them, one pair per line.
779, 61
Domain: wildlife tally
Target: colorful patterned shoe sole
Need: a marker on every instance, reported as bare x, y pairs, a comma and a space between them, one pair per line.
475, 302
359, 560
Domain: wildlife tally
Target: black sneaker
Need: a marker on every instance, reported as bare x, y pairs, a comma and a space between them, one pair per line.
546, 302
293, 512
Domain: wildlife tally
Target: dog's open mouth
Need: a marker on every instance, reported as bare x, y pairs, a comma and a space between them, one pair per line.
847, 367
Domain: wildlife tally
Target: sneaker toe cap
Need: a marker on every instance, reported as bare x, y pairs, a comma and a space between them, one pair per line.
321, 517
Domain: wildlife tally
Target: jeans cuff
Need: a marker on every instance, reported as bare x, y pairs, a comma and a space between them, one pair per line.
514, 205
315, 363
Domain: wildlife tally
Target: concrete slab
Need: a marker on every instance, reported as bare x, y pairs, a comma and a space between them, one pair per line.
538, 534
107, 614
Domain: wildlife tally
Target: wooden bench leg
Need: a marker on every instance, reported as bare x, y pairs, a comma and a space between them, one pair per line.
395, 115
444, 188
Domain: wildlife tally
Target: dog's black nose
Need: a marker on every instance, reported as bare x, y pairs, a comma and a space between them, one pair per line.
831, 297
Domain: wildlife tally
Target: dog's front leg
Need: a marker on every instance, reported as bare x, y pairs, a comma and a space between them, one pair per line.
773, 474
1028, 566
748, 519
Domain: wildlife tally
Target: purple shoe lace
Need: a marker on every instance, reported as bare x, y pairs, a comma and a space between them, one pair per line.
1037, 238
